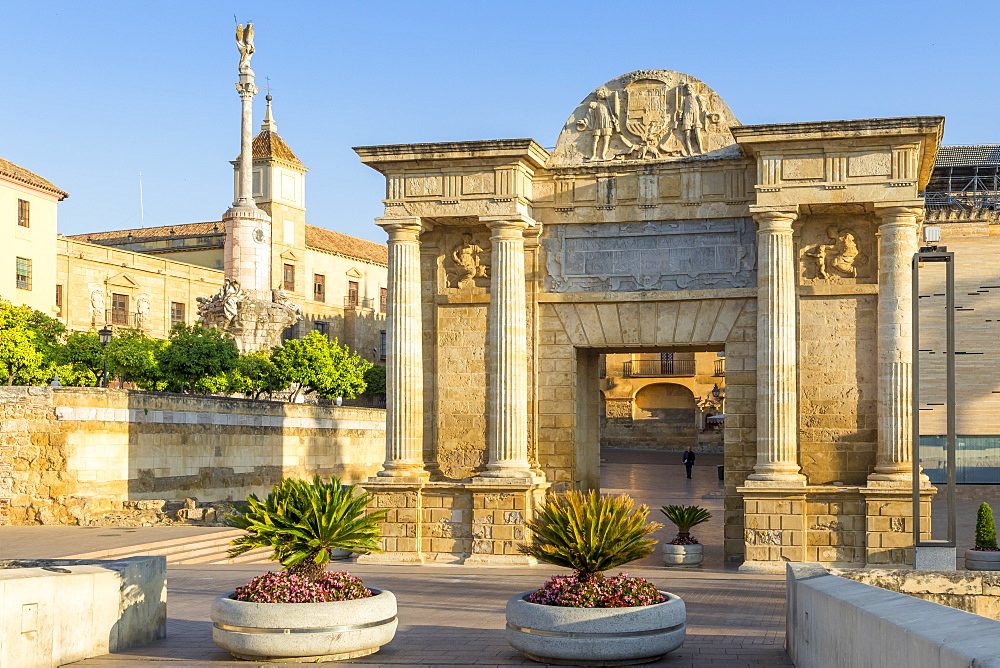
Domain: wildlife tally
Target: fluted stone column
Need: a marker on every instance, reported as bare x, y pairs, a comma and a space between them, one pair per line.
898, 232
507, 344
404, 419
777, 390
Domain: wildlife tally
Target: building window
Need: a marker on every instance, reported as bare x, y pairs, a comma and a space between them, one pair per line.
23, 273
119, 309
319, 287
176, 313
383, 300
289, 277
23, 213
323, 328
59, 299
381, 344
352, 293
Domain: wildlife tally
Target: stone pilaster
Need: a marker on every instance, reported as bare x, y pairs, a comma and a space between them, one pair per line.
507, 340
777, 391
404, 428
897, 243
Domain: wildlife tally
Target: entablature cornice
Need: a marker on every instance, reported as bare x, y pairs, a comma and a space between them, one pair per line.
490, 151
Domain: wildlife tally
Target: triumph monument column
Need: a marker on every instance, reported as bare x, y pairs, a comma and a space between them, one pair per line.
507, 341
248, 228
404, 426
898, 232
777, 387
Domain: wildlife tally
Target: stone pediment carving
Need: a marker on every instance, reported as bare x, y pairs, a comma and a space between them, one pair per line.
647, 115
289, 254
354, 273
122, 281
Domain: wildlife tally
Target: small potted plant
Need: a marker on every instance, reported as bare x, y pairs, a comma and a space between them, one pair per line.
985, 556
684, 550
587, 618
305, 611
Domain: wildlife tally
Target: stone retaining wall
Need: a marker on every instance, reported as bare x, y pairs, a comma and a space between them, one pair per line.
72, 455
835, 621
977, 592
57, 611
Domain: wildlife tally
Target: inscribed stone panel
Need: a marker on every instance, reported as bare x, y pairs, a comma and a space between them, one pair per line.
663, 255
422, 186
869, 164
802, 168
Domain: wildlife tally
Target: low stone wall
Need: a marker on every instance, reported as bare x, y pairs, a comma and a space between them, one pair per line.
977, 592
836, 621
58, 611
73, 455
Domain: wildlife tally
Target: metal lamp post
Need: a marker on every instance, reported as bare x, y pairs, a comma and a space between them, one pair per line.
104, 335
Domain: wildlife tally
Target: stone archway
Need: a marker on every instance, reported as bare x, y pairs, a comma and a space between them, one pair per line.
658, 222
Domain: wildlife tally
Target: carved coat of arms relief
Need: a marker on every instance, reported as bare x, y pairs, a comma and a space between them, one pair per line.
646, 115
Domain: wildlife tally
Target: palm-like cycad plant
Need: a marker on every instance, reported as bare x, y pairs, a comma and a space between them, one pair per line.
590, 533
303, 521
686, 517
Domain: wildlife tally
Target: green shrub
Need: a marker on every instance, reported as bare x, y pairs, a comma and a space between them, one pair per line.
986, 532
303, 521
590, 533
685, 518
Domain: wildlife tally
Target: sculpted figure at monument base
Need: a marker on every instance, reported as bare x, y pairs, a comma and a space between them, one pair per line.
255, 324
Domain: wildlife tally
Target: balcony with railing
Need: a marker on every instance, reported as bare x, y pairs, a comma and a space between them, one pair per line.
657, 368
353, 301
720, 368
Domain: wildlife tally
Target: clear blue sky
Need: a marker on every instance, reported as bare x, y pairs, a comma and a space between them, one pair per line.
95, 92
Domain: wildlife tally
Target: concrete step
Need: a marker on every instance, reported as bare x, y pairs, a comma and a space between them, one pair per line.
208, 554
175, 549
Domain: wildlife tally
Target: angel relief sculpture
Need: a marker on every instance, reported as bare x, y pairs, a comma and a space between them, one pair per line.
465, 262
839, 259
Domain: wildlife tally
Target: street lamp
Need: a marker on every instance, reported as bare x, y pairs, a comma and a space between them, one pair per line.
716, 392
104, 334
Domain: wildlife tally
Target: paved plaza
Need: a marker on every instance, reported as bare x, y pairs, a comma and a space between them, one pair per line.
454, 615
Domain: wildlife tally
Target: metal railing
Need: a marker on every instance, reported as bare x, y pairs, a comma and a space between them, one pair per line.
359, 302
657, 368
720, 368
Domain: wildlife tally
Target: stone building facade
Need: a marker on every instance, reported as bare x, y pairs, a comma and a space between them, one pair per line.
658, 223
28, 211
151, 278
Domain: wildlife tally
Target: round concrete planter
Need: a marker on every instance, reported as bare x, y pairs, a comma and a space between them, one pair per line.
595, 636
304, 631
982, 560
685, 556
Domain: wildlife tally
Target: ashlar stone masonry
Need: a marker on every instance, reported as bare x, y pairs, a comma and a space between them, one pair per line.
657, 223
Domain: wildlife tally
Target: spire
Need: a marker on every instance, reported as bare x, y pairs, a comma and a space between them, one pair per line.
268, 125
268, 144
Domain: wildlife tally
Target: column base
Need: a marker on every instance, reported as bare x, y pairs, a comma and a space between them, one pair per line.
401, 475
508, 478
896, 479
762, 567
771, 480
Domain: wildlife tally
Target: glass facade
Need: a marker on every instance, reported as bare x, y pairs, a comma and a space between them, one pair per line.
977, 459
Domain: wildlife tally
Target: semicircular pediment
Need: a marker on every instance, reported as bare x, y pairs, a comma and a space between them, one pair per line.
647, 115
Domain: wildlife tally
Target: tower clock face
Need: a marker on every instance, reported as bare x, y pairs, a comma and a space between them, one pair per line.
258, 235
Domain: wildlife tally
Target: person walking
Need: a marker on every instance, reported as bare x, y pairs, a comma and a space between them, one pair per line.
688, 460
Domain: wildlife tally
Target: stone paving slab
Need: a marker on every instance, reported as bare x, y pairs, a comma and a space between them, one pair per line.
454, 616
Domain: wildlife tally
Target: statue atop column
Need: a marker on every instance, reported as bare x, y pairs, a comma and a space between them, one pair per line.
244, 41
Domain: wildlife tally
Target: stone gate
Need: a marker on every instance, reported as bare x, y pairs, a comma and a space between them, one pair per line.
657, 222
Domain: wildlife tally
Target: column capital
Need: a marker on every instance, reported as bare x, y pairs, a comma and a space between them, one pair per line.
774, 218
900, 213
511, 221
401, 229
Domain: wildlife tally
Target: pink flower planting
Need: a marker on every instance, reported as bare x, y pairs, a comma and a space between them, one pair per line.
286, 587
617, 591
684, 541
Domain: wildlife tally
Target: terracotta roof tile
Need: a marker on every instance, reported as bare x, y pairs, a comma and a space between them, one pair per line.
152, 233
10, 170
268, 144
342, 244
